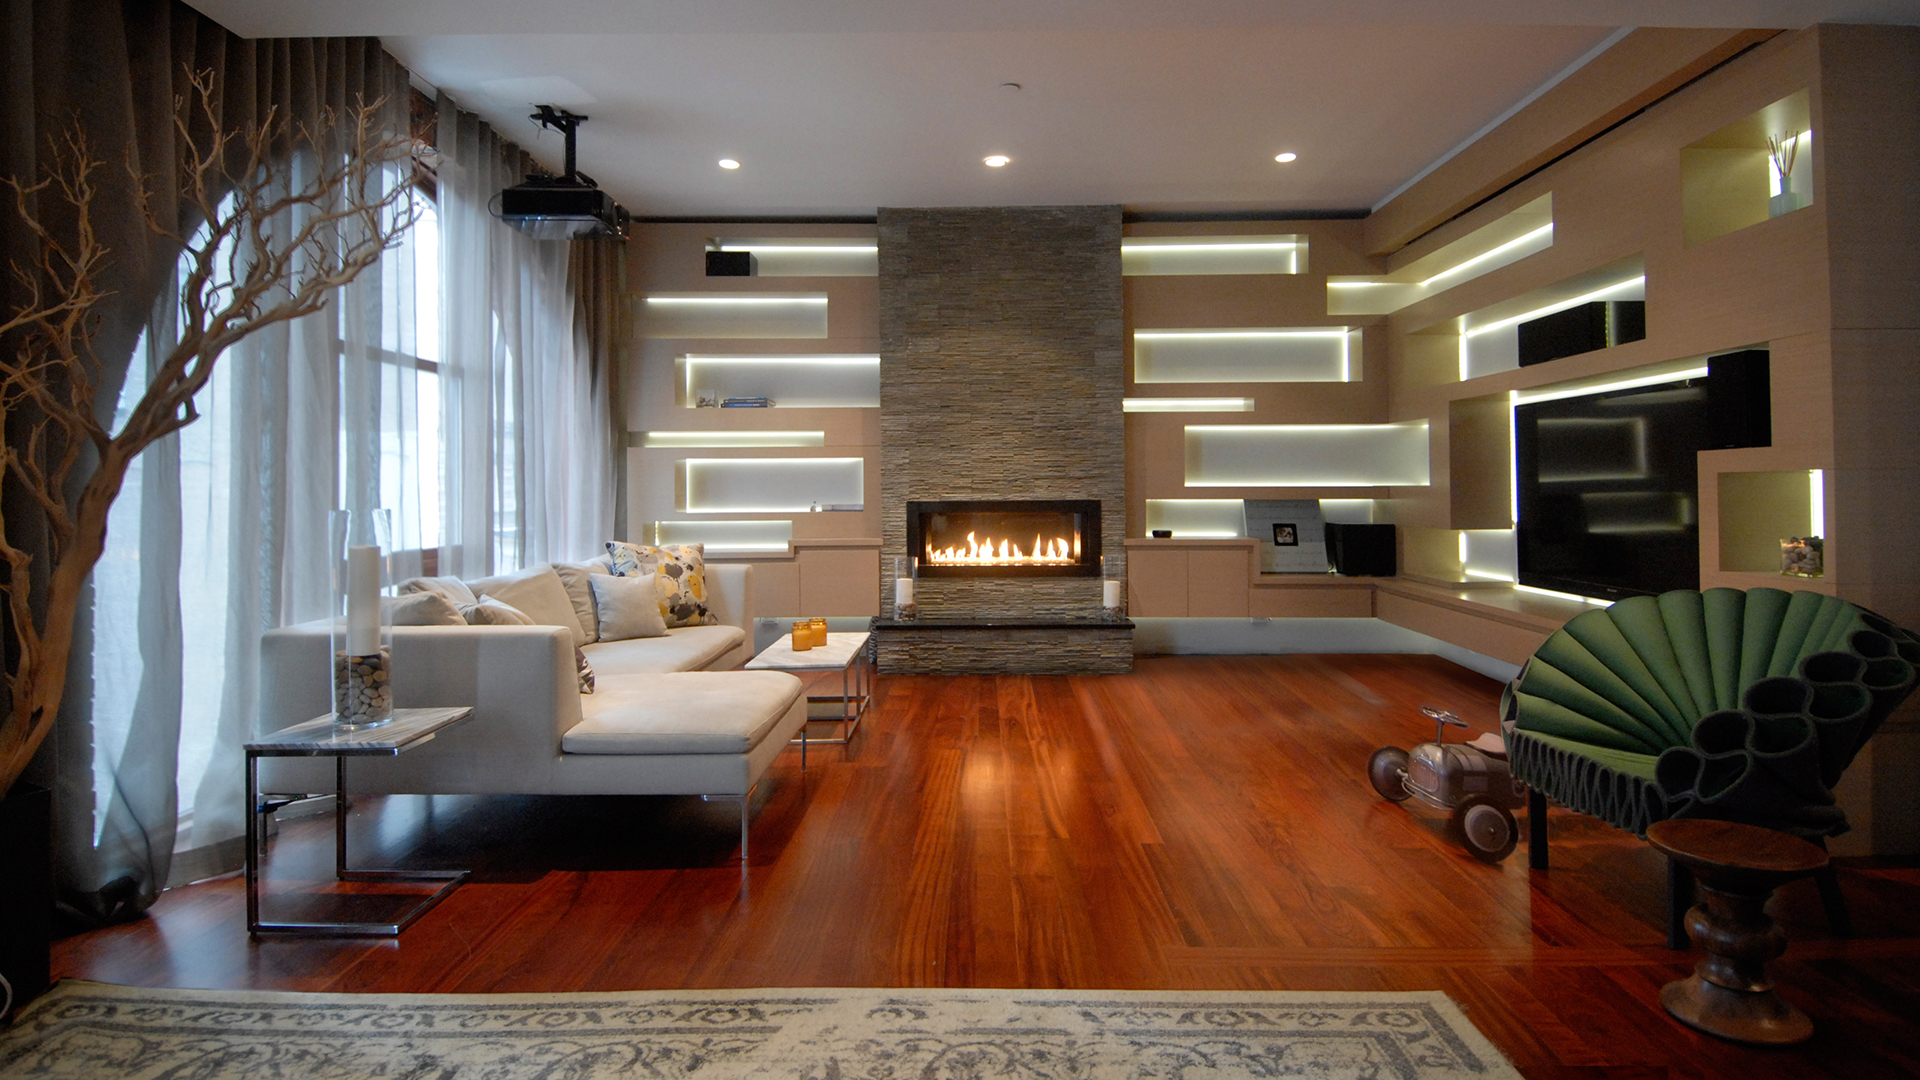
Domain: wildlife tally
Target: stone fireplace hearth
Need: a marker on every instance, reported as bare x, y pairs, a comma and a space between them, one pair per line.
1001, 379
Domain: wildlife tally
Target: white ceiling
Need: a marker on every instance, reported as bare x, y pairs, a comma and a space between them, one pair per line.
841, 106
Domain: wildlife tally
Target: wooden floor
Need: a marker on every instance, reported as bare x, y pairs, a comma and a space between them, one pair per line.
1202, 823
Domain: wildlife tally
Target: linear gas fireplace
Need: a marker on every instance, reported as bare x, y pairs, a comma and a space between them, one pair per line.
1005, 537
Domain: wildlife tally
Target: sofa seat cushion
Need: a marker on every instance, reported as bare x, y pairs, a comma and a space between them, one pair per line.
689, 648
684, 712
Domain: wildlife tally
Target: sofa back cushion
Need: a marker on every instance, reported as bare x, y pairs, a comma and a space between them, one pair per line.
574, 577
539, 593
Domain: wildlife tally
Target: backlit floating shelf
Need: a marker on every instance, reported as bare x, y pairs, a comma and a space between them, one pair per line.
690, 440
809, 256
1728, 180
1251, 355
1190, 519
734, 315
772, 485
1148, 256
728, 537
1513, 237
1490, 337
792, 382
1307, 455
1760, 509
1186, 404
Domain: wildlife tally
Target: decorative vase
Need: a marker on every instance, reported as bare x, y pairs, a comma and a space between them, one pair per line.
1784, 203
904, 571
1113, 606
361, 542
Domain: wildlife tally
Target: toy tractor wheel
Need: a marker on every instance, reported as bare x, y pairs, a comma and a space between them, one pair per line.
1487, 830
1388, 772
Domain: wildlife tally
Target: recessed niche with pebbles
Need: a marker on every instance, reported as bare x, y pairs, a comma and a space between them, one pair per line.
1745, 706
363, 688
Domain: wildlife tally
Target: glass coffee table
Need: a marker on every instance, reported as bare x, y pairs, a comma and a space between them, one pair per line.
845, 653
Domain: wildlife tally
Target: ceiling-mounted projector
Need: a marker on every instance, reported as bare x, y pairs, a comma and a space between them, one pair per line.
564, 207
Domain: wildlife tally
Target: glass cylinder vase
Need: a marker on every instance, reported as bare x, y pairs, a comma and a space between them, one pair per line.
905, 569
359, 548
1113, 592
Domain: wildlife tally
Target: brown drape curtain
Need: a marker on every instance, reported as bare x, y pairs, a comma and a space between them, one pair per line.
598, 273
112, 70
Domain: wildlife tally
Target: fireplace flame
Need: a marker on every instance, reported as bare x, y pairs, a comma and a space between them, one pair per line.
1057, 551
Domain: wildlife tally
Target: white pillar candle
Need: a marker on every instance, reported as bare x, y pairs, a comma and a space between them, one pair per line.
903, 590
1109, 594
363, 601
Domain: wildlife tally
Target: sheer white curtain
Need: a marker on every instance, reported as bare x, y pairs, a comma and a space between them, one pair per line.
527, 426
221, 534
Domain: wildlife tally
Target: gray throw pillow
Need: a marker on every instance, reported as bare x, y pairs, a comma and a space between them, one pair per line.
450, 587
421, 609
628, 607
490, 612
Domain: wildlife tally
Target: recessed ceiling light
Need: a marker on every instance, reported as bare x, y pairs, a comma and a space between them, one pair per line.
729, 163
1286, 157
994, 161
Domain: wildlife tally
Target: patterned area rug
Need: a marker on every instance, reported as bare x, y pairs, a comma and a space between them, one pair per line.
97, 1031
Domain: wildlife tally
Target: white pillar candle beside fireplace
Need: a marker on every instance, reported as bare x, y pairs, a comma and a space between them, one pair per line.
902, 590
1110, 594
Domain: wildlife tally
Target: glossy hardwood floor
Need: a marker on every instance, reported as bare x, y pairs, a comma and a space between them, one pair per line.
1202, 823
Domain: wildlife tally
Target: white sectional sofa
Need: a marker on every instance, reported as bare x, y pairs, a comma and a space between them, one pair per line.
666, 717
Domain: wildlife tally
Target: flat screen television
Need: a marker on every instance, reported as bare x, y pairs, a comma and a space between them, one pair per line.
1609, 490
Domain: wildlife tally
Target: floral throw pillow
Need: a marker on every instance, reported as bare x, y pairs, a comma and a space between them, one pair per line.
679, 578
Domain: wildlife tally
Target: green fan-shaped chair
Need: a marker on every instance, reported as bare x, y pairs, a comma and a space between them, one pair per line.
1742, 706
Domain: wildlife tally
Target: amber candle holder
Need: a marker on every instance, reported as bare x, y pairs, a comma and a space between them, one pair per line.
802, 635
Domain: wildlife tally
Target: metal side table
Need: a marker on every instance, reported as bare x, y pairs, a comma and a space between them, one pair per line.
320, 737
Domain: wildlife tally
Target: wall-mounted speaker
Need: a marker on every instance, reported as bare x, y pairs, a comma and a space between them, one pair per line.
1739, 400
732, 264
1362, 550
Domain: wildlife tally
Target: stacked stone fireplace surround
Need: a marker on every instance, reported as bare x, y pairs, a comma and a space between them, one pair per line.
1001, 378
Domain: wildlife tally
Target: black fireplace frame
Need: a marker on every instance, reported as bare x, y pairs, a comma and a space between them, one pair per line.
1087, 509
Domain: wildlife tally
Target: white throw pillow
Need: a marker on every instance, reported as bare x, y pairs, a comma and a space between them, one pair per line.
450, 587
539, 593
421, 609
628, 607
573, 575
487, 611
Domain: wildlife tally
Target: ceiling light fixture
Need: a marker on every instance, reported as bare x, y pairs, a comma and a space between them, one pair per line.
995, 161
729, 163
1286, 157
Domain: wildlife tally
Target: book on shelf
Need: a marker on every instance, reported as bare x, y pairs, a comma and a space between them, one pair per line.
746, 403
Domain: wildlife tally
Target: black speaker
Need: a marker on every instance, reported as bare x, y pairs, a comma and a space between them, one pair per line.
732, 264
1739, 400
1582, 328
1362, 550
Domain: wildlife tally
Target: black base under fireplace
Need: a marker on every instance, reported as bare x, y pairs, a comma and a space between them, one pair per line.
955, 538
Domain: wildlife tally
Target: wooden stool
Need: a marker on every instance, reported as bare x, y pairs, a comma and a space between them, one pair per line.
1737, 867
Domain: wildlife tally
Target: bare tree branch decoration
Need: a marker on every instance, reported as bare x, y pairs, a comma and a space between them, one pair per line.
289, 214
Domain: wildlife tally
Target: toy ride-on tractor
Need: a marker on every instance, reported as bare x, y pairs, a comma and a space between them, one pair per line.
1470, 779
